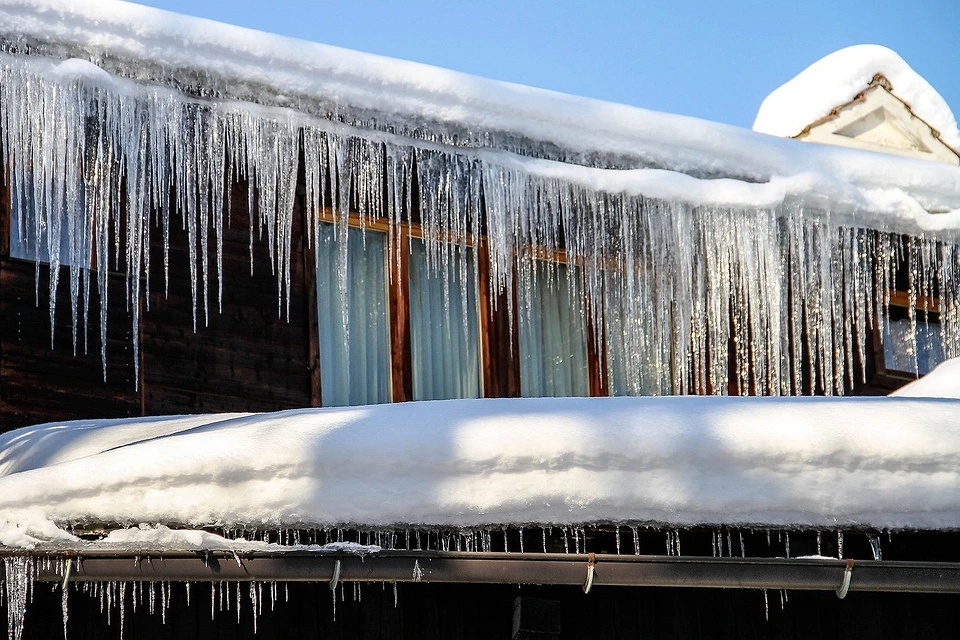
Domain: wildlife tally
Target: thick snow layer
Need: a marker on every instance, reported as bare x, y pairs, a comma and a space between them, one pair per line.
837, 78
942, 382
395, 95
677, 461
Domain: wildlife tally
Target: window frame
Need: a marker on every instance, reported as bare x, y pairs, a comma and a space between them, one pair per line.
499, 334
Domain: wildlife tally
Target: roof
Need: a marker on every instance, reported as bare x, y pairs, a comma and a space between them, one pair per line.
435, 105
668, 461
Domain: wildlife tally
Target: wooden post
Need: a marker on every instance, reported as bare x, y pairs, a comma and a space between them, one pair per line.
401, 363
499, 334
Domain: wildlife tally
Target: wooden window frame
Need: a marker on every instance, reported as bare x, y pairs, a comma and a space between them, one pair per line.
499, 333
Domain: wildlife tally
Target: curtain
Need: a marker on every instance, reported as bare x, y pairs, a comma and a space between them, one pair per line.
354, 355
444, 334
553, 339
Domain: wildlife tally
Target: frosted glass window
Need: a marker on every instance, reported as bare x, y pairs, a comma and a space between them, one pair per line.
553, 339
901, 351
444, 333
354, 360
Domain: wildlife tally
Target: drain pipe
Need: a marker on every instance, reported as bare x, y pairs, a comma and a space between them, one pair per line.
511, 568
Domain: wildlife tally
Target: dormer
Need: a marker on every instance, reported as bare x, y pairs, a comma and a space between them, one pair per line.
877, 120
865, 97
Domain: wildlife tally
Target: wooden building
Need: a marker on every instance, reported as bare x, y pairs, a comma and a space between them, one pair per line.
210, 228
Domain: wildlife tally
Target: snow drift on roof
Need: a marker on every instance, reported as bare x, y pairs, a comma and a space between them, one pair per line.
837, 78
805, 462
942, 382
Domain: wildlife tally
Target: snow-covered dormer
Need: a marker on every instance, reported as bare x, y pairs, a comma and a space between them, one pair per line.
864, 97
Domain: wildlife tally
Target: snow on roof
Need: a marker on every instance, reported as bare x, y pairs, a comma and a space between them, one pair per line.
837, 78
444, 106
677, 461
942, 382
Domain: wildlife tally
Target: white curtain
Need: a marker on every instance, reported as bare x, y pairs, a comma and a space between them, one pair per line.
444, 334
553, 338
354, 359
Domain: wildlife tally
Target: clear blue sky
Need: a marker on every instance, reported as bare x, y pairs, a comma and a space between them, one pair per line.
712, 59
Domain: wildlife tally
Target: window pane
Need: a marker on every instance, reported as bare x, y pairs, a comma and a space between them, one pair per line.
444, 336
354, 363
901, 352
553, 341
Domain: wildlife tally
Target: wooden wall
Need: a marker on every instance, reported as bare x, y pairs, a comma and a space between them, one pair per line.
248, 358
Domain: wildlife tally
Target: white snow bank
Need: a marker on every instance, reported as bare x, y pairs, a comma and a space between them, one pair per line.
837, 78
943, 381
160, 538
680, 461
148, 43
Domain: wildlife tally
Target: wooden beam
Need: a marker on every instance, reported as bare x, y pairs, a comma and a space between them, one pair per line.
499, 335
401, 361
923, 303
596, 356
309, 249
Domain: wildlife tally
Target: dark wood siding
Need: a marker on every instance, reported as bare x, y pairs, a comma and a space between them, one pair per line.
249, 357
41, 384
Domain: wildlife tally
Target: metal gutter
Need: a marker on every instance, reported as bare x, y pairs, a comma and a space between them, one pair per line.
505, 568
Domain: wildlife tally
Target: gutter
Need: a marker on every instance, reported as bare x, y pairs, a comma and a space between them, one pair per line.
585, 570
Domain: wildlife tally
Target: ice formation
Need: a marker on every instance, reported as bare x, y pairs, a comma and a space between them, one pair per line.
837, 78
664, 256
775, 250
671, 462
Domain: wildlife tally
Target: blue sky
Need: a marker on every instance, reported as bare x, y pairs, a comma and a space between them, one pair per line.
712, 59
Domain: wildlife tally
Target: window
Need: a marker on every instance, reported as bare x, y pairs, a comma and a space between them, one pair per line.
354, 337
912, 345
444, 336
553, 338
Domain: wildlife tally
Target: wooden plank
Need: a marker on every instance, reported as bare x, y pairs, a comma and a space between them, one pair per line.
596, 356
499, 335
313, 321
5, 214
250, 357
923, 303
401, 361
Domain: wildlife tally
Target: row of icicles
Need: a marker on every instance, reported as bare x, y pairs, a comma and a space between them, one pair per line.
686, 299
22, 572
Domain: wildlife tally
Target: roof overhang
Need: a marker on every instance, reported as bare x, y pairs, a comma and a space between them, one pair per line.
584, 570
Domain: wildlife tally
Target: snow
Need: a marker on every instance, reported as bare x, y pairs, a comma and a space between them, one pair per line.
837, 78
941, 382
418, 100
669, 461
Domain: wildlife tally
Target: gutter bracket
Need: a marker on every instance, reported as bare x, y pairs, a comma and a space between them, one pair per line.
591, 568
66, 573
335, 580
845, 584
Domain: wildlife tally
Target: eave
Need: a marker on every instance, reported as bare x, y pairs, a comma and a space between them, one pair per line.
825, 574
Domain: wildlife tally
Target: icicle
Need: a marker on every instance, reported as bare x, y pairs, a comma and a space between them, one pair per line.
668, 286
18, 575
840, 544
874, 540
